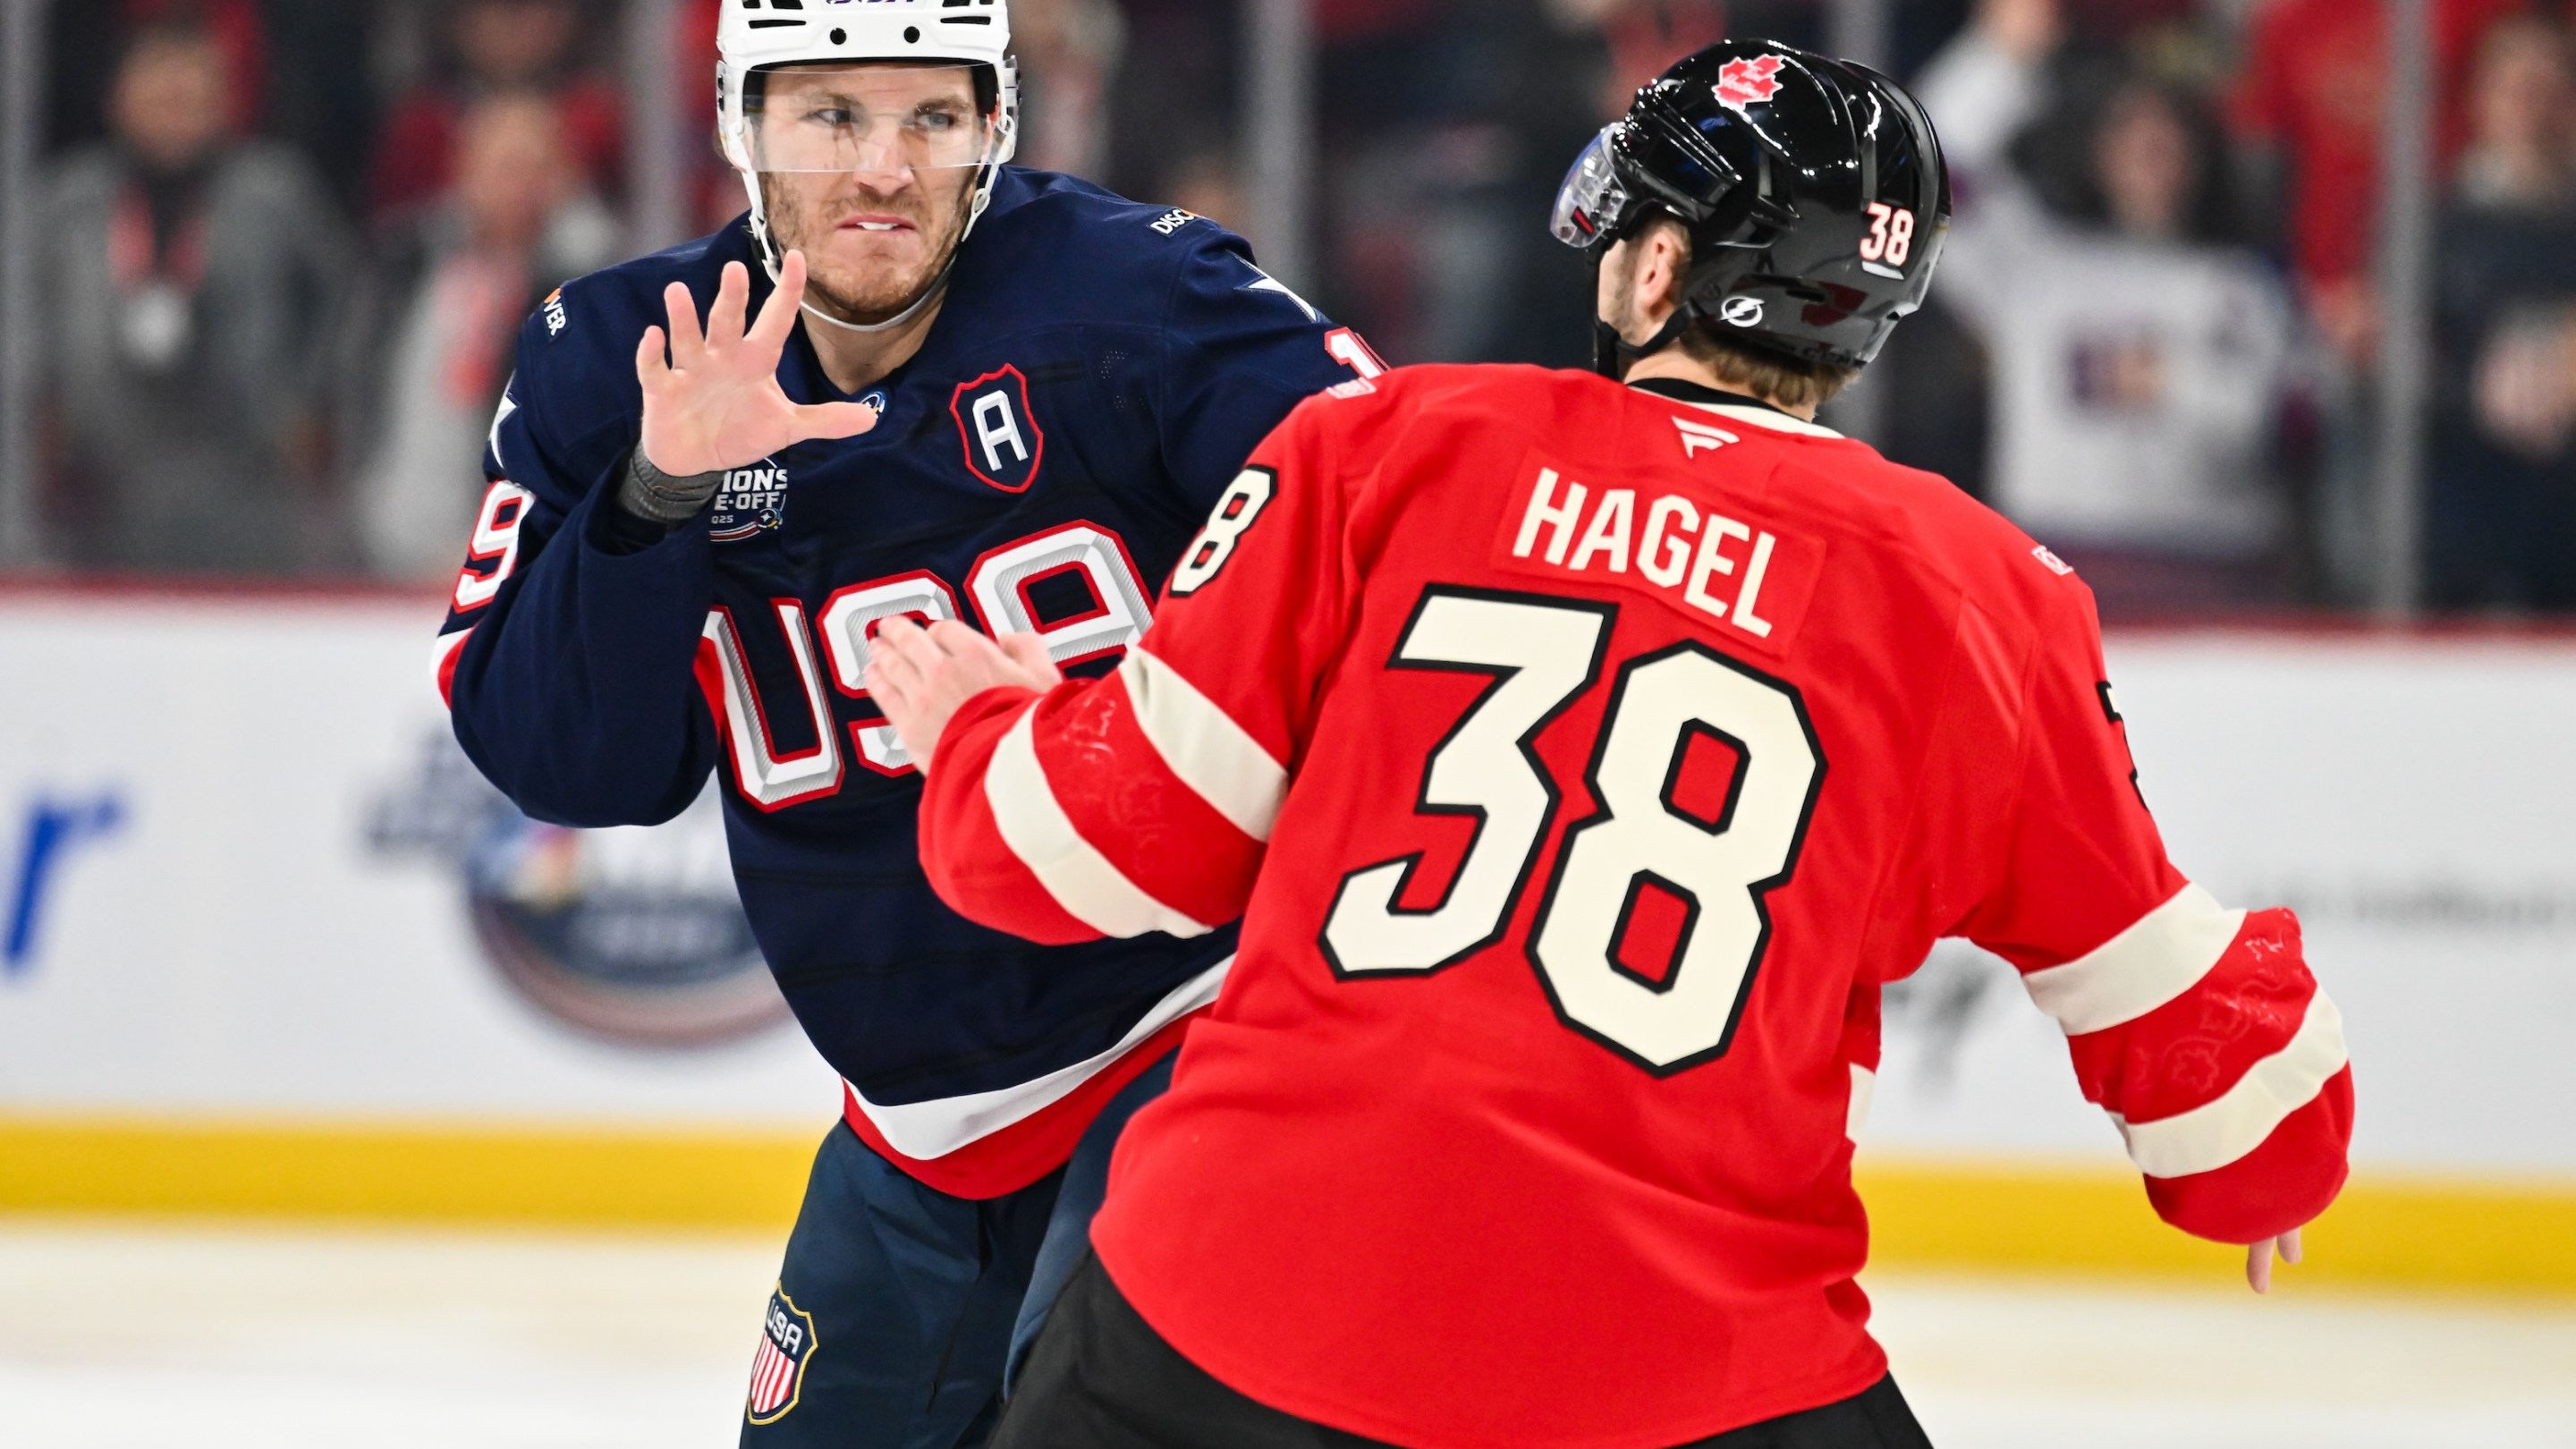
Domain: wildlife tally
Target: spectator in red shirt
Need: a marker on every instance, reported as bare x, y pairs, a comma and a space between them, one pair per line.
499, 46
2315, 80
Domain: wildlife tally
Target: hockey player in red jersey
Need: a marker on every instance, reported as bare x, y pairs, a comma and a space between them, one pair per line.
1582, 759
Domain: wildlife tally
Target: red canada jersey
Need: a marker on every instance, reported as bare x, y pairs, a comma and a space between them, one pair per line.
1581, 761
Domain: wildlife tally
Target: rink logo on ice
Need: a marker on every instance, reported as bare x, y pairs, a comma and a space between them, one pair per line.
632, 936
51, 833
750, 502
778, 1369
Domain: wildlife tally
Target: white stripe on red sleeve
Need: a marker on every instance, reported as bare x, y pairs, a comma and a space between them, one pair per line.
2231, 1126
2207, 1051
2166, 953
1864, 1089
1204, 747
1080, 878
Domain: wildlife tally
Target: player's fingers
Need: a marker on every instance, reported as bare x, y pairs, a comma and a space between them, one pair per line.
891, 694
650, 366
688, 344
894, 638
2258, 1266
896, 653
960, 642
915, 650
2291, 1248
778, 314
1030, 653
733, 302
834, 420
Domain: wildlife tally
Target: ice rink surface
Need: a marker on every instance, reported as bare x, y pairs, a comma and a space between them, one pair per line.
123, 1338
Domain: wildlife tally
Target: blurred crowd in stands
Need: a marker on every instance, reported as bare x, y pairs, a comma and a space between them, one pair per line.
287, 245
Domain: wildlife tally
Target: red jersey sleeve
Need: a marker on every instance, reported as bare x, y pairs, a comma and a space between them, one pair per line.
2199, 1029
1144, 801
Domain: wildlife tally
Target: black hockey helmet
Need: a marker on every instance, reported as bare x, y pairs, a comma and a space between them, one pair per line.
1814, 191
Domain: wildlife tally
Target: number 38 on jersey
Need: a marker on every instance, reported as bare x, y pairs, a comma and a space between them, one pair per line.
1650, 922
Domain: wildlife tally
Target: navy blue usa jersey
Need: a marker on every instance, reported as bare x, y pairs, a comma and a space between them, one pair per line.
1095, 380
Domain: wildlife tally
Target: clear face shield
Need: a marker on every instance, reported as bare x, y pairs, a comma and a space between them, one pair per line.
869, 120
1593, 199
1683, 171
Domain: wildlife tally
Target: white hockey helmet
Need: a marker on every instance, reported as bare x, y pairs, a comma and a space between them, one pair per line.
754, 35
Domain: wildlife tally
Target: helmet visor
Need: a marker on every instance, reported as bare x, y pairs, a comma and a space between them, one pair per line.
1593, 199
841, 120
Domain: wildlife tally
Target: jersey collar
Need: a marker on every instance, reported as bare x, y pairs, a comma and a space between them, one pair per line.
1734, 405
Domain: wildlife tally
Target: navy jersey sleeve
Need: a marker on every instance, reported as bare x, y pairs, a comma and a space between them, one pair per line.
569, 663
1240, 351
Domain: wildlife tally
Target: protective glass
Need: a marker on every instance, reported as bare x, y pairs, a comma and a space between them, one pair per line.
867, 118
1593, 198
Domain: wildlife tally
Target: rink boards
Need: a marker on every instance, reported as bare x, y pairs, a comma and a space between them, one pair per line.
268, 948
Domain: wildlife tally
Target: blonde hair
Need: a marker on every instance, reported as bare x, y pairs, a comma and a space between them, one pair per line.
1771, 376
1774, 377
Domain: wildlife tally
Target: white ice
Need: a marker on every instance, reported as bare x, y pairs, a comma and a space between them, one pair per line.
127, 1337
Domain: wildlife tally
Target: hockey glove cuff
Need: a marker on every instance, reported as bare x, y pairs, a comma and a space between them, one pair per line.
656, 497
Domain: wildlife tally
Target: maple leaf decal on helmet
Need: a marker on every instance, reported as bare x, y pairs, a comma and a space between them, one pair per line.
1748, 81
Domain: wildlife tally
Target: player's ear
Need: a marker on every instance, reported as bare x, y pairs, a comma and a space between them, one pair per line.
1663, 263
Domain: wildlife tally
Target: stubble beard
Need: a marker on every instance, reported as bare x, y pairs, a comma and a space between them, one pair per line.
865, 295
1619, 270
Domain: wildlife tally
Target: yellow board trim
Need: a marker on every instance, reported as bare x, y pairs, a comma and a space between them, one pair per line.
458, 1176
2388, 1231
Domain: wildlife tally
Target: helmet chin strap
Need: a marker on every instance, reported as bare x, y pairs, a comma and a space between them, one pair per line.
981, 197
932, 293
1613, 355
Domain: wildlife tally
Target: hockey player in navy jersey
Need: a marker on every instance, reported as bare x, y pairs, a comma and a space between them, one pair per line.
913, 381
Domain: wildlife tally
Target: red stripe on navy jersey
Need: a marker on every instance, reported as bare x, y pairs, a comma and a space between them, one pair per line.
451, 654
1003, 1162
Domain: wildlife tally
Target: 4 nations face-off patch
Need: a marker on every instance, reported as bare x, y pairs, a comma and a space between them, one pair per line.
778, 1370
750, 502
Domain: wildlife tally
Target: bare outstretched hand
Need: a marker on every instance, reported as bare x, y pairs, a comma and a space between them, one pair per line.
713, 403
920, 677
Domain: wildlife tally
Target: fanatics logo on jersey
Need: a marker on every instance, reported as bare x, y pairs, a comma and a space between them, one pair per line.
1698, 437
1747, 82
749, 503
1004, 445
778, 1370
2055, 565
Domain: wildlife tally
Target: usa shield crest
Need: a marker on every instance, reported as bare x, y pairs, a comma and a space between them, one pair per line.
778, 1369
1004, 444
